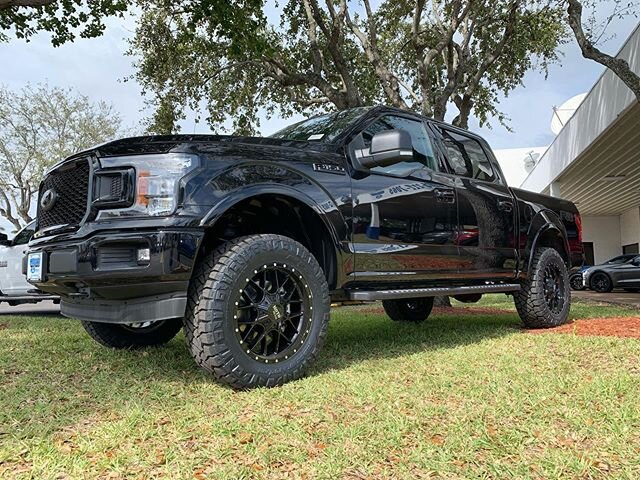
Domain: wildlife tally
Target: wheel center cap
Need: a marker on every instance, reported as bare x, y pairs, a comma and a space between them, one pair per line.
276, 312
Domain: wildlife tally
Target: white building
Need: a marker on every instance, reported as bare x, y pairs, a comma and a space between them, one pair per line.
594, 161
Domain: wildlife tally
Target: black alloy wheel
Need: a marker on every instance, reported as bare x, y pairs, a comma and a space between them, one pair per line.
601, 283
273, 313
554, 288
576, 281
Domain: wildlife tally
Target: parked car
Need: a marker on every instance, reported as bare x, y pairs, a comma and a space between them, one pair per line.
247, 241
620, 272
14, 288
576, 279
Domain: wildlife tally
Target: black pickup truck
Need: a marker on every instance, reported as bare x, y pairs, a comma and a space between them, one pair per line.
245, 242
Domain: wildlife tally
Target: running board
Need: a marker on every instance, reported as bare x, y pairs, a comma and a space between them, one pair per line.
431, 292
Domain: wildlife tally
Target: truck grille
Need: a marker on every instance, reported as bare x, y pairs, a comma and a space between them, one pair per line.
70, 184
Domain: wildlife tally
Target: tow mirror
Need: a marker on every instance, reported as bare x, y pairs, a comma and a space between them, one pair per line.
4, 240
387, 148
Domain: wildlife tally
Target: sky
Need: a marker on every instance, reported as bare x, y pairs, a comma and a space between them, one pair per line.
99, 67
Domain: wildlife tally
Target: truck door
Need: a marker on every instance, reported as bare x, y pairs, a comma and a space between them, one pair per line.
404, 215
13, 281
486, 209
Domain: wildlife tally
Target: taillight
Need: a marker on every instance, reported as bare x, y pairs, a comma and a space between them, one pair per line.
578, 220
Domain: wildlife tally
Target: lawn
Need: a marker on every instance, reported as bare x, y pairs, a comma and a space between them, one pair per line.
460, 396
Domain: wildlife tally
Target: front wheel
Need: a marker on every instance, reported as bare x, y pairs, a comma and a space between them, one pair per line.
545, 296
257, 312
133, 335
408, 309
601, 283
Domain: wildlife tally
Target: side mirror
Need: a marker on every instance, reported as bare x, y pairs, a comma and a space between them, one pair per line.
387, 148
4, 240
635, 262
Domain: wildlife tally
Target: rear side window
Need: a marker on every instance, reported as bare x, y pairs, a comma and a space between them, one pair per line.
466, 156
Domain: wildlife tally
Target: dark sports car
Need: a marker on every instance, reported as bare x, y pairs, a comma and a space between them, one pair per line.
576, 279
623, 274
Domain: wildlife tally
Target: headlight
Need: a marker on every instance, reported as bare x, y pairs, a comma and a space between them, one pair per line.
157, 182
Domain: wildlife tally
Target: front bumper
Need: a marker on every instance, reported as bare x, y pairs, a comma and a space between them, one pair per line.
102, 277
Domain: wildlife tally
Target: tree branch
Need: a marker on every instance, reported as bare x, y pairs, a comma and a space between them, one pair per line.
618, 66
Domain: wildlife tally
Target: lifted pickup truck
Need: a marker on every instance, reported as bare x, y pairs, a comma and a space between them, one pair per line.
247, 241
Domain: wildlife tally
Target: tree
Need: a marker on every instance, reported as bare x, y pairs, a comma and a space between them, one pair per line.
588, 39
62, 18
425, 56
38, 127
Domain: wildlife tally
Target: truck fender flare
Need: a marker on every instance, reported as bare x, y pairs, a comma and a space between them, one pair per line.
543, 222
229, 201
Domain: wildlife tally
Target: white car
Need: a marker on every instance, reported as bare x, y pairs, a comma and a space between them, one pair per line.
14, 287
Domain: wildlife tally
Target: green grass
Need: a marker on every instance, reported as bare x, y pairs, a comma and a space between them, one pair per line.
460, 396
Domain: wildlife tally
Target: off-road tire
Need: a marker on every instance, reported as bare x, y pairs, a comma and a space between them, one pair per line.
409, 309
530, 301
600, 288
124, 337
209, 321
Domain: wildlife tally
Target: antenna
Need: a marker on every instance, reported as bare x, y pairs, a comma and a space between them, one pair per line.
564, 112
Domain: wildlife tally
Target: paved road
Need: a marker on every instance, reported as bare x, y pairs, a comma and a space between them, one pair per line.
46, 307
617, 298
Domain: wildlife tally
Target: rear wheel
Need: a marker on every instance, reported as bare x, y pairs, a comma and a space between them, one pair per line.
600, 282
258, 311
545, 296
408, 309
576, 282
133, 335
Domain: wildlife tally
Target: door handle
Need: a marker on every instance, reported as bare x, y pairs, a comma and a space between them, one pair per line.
445, 196
505, 206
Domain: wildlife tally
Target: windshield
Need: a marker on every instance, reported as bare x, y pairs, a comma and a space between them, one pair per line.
323, 128
621, 259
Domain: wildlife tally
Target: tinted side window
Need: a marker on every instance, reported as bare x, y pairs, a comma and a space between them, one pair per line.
25, 234
423, 155
466, 156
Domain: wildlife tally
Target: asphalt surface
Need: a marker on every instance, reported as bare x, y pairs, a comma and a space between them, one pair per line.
43, 308
615, 297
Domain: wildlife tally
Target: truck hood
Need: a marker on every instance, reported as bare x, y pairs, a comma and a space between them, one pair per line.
194, 143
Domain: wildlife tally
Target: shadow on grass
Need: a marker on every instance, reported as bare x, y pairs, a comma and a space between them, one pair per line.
354, 337
55, 375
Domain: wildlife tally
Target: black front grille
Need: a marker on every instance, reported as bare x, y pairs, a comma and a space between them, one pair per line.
70, 187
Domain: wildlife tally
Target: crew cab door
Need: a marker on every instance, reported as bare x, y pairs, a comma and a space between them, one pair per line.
404, 215
13, 282
487, 211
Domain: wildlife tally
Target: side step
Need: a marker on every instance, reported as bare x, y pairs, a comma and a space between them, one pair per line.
431, 292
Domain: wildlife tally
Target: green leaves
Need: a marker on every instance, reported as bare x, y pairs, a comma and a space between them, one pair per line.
64, 19
233, 61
